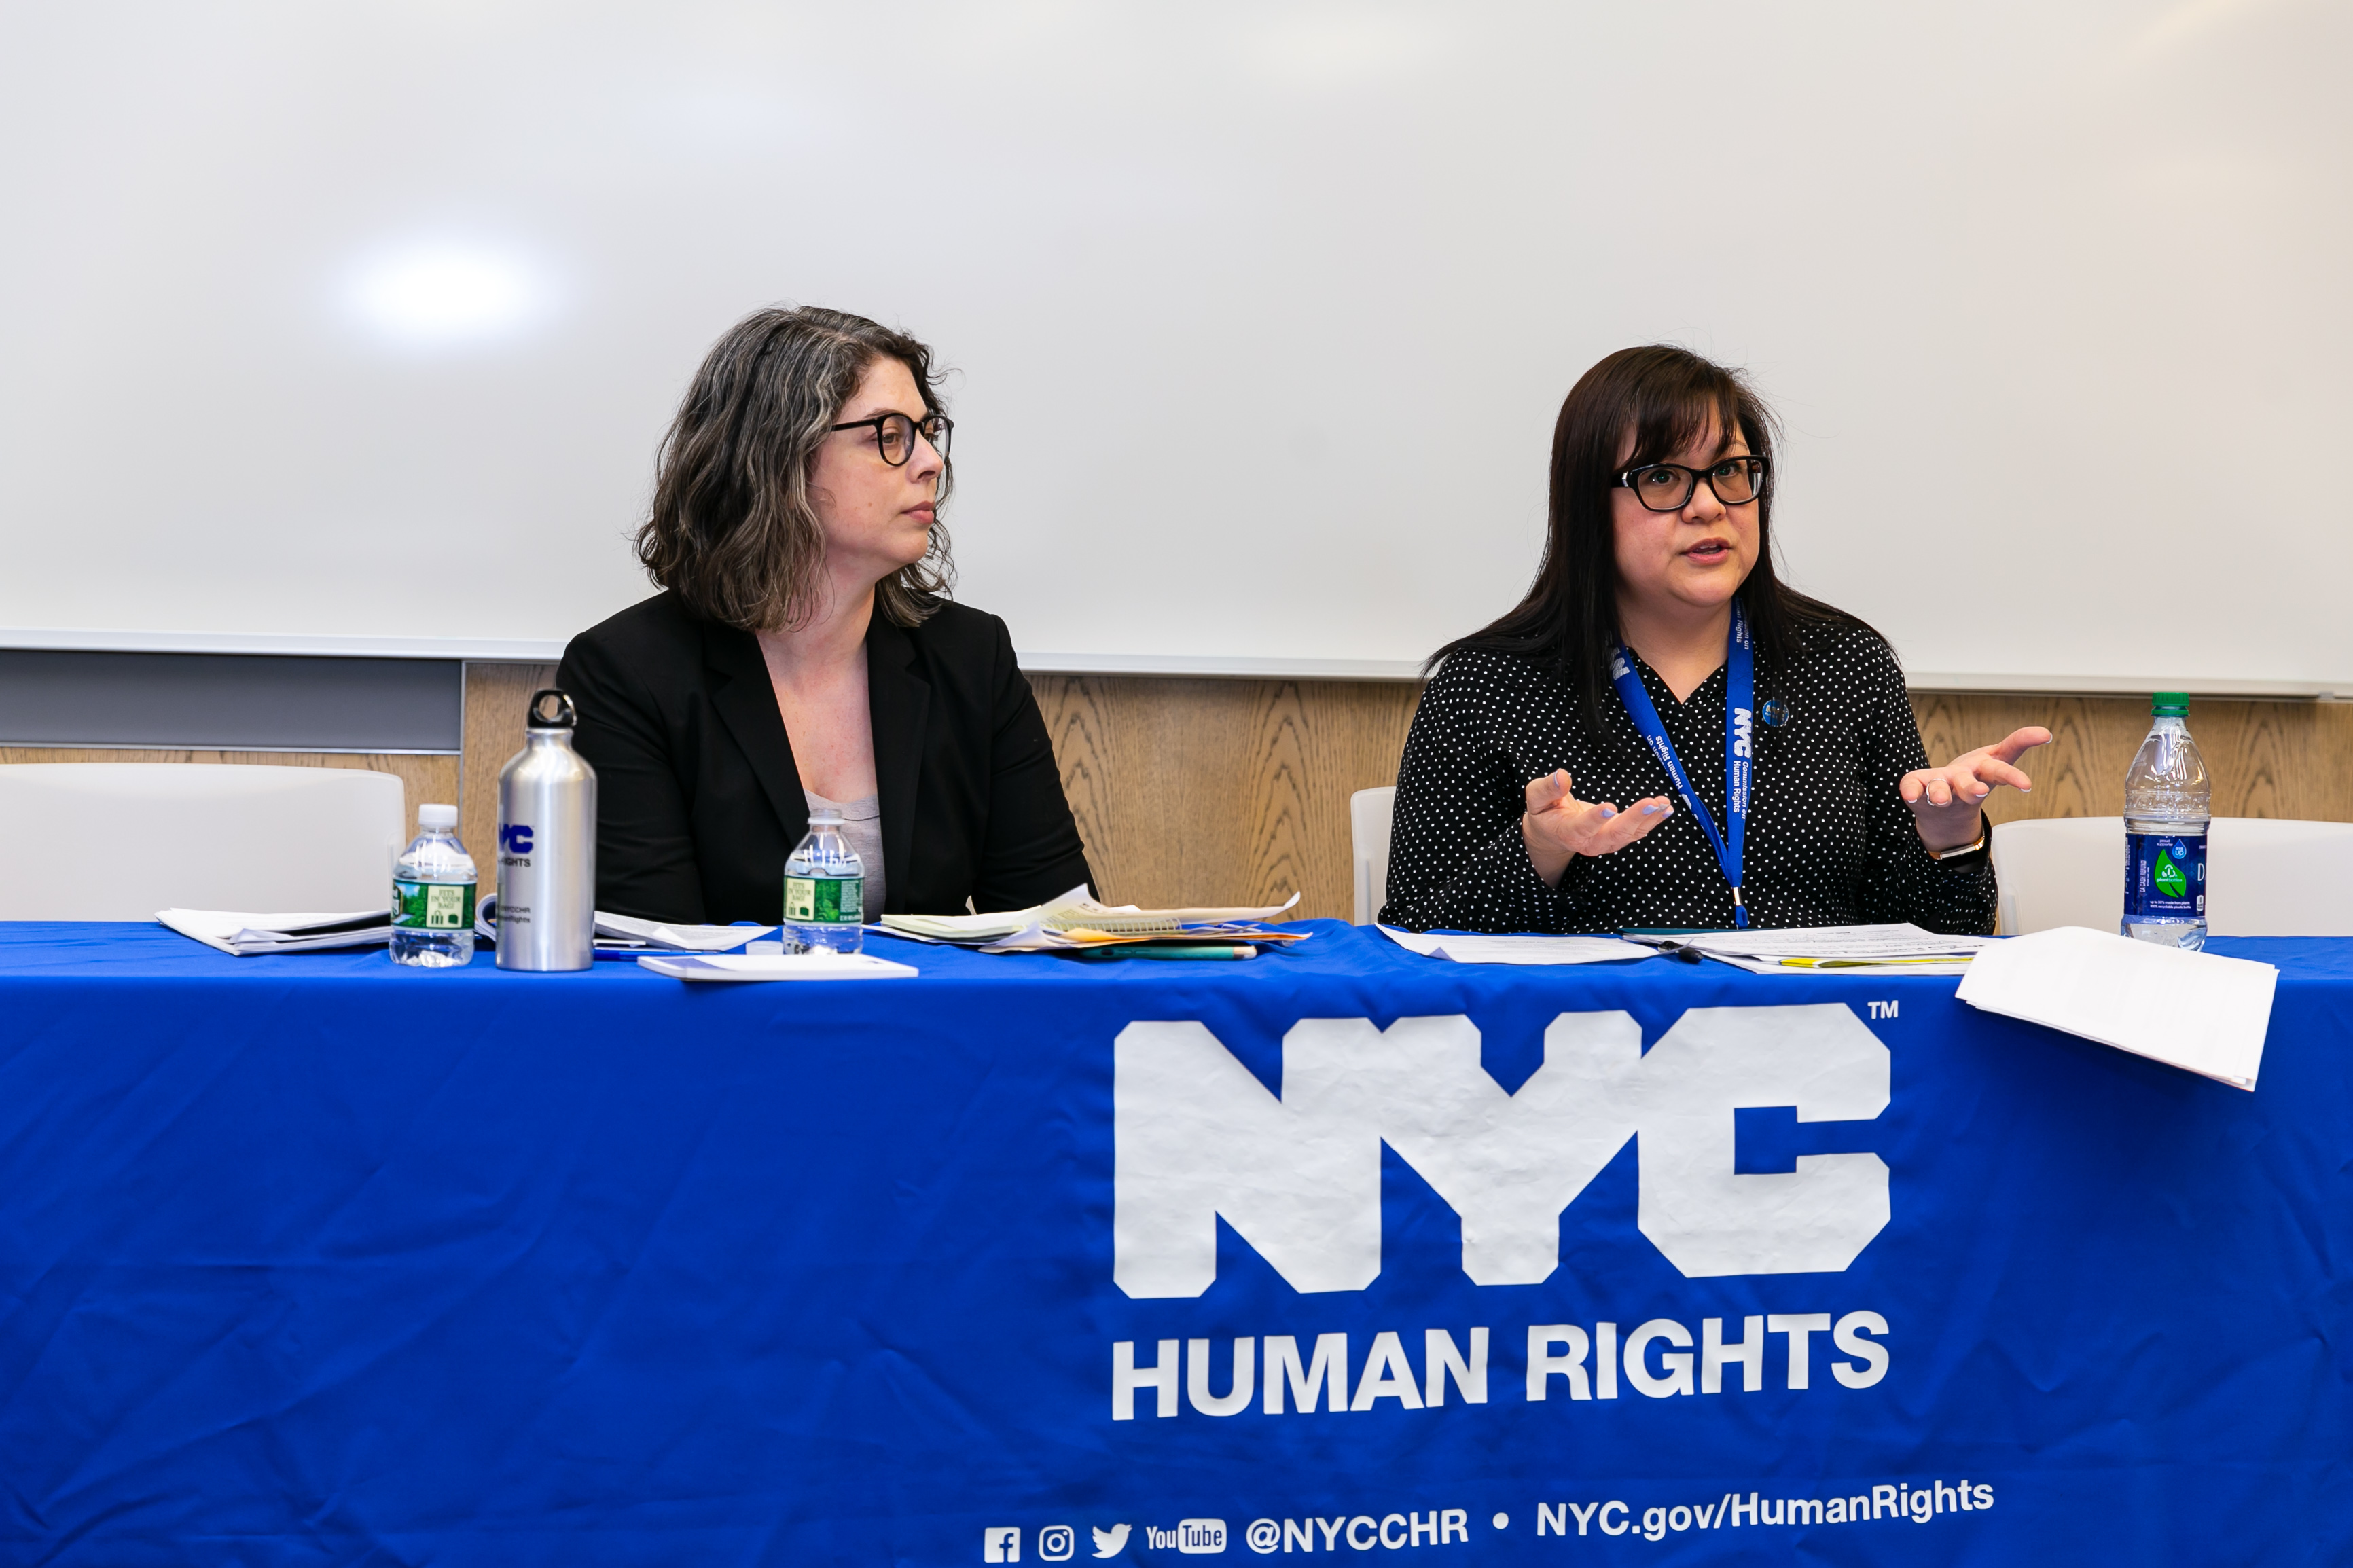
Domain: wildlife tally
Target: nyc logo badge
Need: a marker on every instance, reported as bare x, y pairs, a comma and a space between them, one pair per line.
1298, 1176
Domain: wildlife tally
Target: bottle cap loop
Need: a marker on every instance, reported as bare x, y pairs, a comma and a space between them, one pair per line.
550, 709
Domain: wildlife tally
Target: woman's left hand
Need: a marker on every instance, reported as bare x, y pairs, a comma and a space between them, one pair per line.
1945, 801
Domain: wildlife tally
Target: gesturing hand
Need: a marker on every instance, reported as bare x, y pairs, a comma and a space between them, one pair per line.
1557, 827
1945, 801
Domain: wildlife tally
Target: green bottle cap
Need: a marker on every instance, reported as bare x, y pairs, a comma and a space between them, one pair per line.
2169, 705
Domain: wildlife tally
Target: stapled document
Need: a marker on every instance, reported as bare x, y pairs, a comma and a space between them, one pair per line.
2199, 1011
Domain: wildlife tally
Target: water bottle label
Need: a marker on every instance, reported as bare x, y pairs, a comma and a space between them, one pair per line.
2165, 875
824, 901
433, 906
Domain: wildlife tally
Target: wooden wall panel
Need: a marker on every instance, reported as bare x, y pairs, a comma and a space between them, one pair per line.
496, 696
1207, 791
2267, 759
1192, 792
1236, 791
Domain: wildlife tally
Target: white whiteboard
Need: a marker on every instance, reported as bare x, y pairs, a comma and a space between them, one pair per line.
354, 327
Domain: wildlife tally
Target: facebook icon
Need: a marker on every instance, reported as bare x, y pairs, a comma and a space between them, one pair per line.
1000, 1544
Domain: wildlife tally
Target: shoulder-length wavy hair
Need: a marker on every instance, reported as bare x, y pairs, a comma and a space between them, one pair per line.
733, 532
1662, 397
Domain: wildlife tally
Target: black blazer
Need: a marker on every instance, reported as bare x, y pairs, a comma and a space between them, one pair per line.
699, 800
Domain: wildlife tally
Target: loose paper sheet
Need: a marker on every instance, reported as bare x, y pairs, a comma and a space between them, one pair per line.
1518, 948
777, 966
2194, 1010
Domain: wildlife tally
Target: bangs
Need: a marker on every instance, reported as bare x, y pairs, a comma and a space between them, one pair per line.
1669, 418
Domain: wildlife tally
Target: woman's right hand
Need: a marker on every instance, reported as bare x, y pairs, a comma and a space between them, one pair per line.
1558, 828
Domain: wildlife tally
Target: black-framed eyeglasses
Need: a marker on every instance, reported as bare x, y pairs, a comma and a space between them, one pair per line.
894, 434
1667, 487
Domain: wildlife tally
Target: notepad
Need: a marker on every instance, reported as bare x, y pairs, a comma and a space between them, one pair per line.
2199, 1011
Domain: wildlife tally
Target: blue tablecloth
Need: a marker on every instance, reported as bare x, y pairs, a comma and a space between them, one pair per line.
314, 1259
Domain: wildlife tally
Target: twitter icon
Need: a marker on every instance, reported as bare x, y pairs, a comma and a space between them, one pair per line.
1108, 1542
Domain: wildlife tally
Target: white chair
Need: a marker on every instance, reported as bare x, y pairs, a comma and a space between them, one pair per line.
117, 841
1369, 810
2267, 877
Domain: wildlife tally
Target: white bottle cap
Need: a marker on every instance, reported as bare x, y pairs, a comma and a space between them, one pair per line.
431, 816
825, 815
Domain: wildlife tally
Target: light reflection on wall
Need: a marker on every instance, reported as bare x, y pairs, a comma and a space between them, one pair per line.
440, 295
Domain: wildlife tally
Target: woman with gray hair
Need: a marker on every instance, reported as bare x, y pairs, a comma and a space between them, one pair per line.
804, 653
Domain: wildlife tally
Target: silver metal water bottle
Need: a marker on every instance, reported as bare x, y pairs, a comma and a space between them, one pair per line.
547, 845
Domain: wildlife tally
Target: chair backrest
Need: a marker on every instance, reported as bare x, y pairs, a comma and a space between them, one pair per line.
2276, 877
2266, 877
2061, 871
117, 841
1368, 835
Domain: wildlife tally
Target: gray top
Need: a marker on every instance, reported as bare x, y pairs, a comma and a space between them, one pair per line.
862, 824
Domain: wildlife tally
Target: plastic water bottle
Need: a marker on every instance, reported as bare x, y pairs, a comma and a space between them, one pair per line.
825, 891
2167, 803
433, 895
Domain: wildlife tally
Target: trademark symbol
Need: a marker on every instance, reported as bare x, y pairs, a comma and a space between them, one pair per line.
1882, 1009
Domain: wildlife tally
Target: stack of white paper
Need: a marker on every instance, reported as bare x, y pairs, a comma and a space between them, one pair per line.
2194, 1010
1076, 922
1874, 950
1517, 949
242, 935
777, 966
626, 933
619, 930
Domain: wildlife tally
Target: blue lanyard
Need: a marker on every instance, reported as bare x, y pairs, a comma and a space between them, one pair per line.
1740, 676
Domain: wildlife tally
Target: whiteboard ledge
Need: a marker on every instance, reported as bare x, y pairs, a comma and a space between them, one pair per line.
1225, 667
479, 650
1250, 669
528, 650
2128, 686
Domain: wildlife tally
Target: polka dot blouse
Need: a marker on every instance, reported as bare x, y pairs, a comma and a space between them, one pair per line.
1829, 841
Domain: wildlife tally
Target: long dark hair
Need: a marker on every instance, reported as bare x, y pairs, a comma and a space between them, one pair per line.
1666, 396
733, 532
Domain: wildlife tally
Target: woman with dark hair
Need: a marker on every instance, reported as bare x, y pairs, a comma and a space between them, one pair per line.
806, 654
1658, 660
